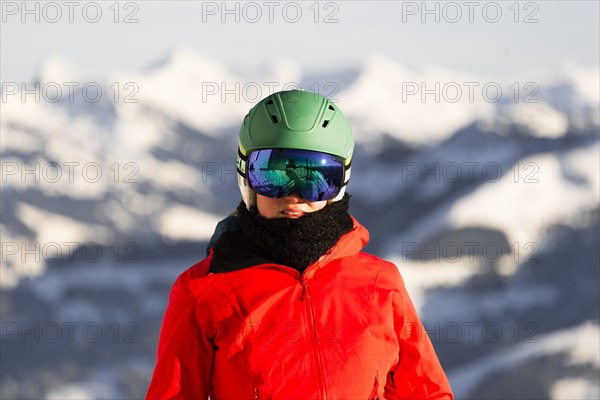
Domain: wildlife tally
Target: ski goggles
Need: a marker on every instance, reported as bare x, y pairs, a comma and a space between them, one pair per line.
278, 173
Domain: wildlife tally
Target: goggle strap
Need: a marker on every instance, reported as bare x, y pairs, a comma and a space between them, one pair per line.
241, 163
347, 170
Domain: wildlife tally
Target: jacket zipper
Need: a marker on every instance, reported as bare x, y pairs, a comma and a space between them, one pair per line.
373, 395
311, 319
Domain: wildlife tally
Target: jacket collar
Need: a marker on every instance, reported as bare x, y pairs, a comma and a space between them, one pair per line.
233, 250
349, 244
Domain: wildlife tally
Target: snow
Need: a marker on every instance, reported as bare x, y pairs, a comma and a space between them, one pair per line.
56, 236
193, 88
580, 343
121, 217
70, 150
62, 231
168, 175
390, 98
84, 391
58, 69
76, 174
284, 71
540, 118
539, 195
186, 223
140, 204
99, 276
18, 109
19, 140
86, 180
103, 382
586, 81
75, 391
585, 163
420, 276
575, 388
399, 178
77, 309
477, 307
12, 265
380, 101
80, 138
137, 130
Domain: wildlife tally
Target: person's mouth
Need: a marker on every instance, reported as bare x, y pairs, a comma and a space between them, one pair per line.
292, 213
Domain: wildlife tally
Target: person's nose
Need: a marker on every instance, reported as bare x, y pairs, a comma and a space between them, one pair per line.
294, 197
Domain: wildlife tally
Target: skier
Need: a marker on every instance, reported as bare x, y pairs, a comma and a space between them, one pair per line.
286, 305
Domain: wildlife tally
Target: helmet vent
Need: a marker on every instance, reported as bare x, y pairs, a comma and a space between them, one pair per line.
328, 115
272, 111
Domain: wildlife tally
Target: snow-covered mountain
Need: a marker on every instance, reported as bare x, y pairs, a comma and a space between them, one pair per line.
487, 200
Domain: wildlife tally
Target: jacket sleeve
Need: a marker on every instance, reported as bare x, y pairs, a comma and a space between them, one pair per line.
418, 374
184, 357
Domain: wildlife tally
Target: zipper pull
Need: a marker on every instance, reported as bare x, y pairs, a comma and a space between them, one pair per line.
374, 395
304, 286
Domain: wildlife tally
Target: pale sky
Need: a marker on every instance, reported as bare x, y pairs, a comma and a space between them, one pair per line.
527, 37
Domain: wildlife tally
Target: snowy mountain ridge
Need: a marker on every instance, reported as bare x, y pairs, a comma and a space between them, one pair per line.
128, 189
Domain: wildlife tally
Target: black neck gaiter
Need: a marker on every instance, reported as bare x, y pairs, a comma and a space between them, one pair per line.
298, 242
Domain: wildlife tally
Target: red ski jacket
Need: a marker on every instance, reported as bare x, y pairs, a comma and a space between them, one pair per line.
344, 329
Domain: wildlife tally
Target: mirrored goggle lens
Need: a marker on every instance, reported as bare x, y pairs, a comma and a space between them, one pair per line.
279, 172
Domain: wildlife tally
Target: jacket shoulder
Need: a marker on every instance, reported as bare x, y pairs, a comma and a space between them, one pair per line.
196, 279
386, 270
377, 262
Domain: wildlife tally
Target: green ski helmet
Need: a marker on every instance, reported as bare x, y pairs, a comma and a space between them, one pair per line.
294, 119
